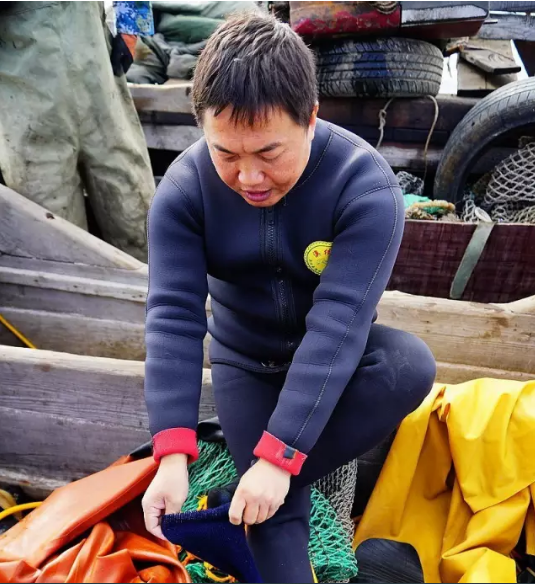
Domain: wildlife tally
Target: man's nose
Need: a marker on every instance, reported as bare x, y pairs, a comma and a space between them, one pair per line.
250, 176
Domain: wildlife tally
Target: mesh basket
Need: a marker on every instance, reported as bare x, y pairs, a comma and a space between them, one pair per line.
507, 195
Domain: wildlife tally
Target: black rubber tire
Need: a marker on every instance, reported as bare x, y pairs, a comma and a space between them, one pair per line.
509, 108
386, 67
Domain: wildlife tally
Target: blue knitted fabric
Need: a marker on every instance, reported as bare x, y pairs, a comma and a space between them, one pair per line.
210, 536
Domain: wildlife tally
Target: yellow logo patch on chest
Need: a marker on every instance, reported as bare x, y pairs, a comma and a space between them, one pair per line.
317, 255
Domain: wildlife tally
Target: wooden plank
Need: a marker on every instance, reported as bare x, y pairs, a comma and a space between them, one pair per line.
35, 485
43, 447
411, 113
166, 118
29, 230
79, 335
105, 391
512, 6
38, 481
173, 96
137, 277
466, 333
453, 373
67, 415
36, 299
508, 26
76, 334
411, 157
95, 389
48, 443
171, 137
489, 58
78, 285
472, 82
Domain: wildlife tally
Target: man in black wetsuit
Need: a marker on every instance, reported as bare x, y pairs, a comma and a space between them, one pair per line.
292, 225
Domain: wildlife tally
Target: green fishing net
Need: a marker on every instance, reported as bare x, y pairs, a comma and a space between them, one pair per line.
330, 548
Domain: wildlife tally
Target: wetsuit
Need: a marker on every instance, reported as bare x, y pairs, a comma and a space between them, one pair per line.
299, 367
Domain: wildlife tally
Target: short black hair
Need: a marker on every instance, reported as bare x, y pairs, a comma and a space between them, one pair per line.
255, 63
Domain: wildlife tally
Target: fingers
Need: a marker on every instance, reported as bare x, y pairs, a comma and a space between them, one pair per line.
237, 508
250, 514
153, 515
263, 512
249, 510
272, 510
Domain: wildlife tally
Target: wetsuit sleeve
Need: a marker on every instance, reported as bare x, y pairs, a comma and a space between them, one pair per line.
368, 231
176, 321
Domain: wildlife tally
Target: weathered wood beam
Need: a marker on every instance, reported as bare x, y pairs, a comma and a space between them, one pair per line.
65, 416
472, 81
173, 96
98, 389
80, 335
467, 333
171, 137
68, 415
512, 6
411, 157
494, 57
403, 112
29, 230
508, 26
138, 277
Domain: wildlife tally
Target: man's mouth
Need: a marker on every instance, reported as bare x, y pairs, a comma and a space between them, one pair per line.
257, 196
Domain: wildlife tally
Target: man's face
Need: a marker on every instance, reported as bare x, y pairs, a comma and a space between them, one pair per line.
261, 162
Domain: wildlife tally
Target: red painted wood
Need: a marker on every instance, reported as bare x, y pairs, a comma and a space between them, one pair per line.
328, 18
432, 251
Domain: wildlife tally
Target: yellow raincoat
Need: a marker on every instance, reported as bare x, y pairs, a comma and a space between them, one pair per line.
458, 484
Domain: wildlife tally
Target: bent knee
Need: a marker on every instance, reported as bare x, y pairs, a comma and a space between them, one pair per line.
410, 361
421, 358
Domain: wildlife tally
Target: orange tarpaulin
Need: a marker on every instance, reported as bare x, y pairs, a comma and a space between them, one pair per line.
91, 531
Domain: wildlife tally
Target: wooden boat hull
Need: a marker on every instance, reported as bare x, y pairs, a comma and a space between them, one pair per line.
70, 292
76, 403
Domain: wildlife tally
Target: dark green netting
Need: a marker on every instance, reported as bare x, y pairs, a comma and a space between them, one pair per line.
330, 549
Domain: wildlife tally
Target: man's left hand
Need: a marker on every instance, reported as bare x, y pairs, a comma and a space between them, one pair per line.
260, 493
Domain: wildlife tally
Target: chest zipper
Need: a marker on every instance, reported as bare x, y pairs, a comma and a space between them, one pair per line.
273, 256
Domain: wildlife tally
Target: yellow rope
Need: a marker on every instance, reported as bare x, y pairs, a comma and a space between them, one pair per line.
18, 508
17, 333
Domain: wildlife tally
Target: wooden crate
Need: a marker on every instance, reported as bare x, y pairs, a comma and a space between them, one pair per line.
431, 252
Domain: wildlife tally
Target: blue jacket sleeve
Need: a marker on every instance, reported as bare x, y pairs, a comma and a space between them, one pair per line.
368, 232
176, 322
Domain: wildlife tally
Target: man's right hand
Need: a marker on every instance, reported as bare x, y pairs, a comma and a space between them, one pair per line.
167, 492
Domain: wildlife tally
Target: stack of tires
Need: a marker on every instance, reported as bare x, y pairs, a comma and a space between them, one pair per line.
380, 67
358, 54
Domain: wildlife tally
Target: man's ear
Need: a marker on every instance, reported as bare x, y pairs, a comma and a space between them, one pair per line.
313, 120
